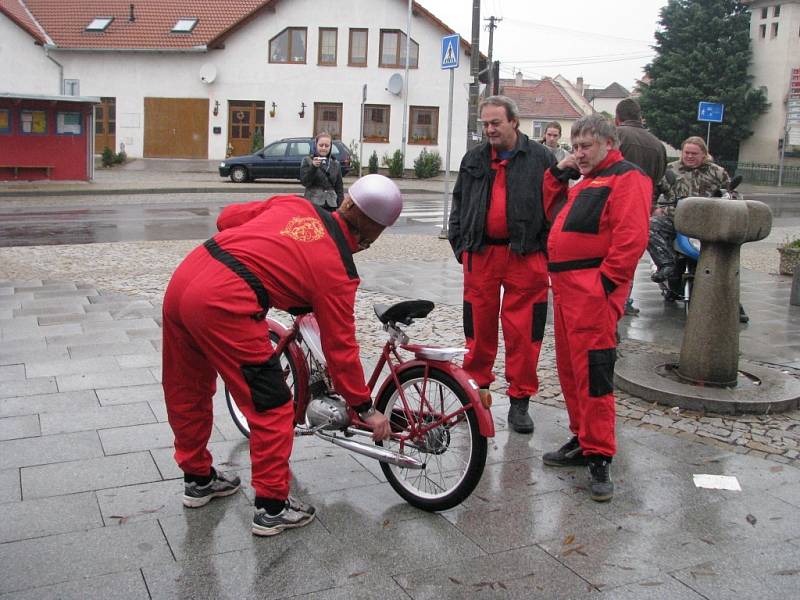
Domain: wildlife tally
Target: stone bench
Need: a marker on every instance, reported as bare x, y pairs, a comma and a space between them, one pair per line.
15, 169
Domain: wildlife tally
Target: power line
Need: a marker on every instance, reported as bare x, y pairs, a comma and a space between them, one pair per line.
577, 31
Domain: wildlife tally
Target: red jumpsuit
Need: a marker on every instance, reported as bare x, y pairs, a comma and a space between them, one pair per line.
213, 323
523, 278
595, 243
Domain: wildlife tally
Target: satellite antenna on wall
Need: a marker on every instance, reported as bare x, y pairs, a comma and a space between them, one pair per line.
395, 85
208, 73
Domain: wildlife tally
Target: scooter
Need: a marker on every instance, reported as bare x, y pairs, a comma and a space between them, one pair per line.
678, 288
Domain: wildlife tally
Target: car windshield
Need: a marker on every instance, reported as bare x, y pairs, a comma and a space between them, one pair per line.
278, 149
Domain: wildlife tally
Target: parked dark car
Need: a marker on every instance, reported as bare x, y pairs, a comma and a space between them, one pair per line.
278, 160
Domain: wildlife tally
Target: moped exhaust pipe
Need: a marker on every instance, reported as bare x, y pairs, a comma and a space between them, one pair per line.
376, 452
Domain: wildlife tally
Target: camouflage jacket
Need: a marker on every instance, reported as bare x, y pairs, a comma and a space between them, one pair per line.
702, 181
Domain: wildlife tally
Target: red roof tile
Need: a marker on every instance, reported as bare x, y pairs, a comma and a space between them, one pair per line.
541, 101
15, 11
65, 22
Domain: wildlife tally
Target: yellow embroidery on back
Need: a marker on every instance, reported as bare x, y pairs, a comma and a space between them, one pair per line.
304, 229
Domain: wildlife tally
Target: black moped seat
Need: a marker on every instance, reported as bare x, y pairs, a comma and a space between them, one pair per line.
403, 312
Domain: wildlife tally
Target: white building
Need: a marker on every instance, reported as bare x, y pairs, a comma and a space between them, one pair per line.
194, 79
775, 38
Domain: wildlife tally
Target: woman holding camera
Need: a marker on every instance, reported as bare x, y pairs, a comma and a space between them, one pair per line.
321, 175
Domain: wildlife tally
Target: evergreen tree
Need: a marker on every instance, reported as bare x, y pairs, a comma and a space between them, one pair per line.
703, 52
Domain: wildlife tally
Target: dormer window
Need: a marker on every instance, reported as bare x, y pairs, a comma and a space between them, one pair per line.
184, 26
99, 24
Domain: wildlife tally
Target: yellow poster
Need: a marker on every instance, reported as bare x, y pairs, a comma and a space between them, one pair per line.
4, 121
39, 121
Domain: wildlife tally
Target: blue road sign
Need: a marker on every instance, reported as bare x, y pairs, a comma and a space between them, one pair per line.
710, 111
450, 51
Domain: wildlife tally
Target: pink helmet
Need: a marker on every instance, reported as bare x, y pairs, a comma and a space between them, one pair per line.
378, 197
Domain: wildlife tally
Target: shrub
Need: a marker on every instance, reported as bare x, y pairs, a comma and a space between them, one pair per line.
107, 157
394, 164
373, 162
427, 164
258, 141
355, 164
120, 158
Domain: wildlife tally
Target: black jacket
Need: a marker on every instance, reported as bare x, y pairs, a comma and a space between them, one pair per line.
323, 184
525, 213
643, 149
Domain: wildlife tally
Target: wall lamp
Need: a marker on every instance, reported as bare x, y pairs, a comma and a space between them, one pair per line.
274, 109
216, 107
302, 112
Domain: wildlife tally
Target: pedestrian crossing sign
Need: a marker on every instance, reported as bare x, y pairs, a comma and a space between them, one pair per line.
450, 51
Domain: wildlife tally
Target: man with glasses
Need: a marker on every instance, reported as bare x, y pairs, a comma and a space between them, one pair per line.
497, 231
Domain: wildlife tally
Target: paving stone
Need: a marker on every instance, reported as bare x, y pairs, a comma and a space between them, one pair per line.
71, 307
77, 317
58, 402
12, 428
49, 303
329, 474
9, 486
128, 585
129, 324
49, 449
28, 387
88, 474
91, 381
661, 587
140, 437
117, 348
49, 516
12, 372
82, 293
268, 569
99, 417
151, 392
37, 351
52, 286
47, 368
83, 339
135, 361
91, 553
522, 573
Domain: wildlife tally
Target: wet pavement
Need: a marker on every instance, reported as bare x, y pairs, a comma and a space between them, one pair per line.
90, 496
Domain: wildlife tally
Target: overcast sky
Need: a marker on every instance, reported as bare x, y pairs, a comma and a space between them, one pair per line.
601, 40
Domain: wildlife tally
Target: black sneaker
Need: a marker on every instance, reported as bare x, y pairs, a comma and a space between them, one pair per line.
663, 273
294, 514
518, 418
601, 487
195, 495
569, 455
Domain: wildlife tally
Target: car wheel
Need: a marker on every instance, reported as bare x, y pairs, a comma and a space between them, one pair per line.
239, 175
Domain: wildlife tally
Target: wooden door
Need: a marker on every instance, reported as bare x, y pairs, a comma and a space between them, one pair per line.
176, 127
328, 117
244, 118
105, 125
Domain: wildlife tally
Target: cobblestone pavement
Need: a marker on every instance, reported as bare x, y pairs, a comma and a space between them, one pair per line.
142, 269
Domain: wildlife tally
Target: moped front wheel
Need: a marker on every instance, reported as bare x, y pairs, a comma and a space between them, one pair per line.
453, 451
289, 373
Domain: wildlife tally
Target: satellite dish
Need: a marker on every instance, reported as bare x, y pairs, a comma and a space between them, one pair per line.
208, 73
395, 85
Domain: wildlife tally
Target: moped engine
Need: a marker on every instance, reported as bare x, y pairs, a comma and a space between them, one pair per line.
328, 411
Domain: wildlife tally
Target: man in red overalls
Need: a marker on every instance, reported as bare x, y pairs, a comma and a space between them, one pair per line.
497, 230
599, 230
287, 254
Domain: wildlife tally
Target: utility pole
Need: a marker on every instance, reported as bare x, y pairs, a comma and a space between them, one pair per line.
474, 87
491, 27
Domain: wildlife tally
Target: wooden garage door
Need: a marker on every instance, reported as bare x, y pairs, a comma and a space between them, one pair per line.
176, 128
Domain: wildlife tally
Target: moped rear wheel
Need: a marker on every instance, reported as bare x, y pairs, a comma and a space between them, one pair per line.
289, 372
454, 452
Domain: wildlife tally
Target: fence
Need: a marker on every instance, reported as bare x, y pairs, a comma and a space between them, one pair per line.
762, 173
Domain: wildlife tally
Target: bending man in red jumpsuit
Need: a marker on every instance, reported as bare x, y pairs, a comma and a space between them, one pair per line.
284, 253
599, 231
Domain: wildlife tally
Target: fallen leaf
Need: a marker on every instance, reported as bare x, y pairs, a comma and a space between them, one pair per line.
386, 523
709, 542
651, 583
708, 573
454, 580
357, 574
776, 469
787, 572
576, 549
751, 519
569, 539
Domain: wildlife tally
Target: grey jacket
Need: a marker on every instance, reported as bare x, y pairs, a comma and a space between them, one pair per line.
527, 227
324, 183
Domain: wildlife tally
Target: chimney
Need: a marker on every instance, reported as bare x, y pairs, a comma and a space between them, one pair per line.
579, 85
518, 79
131, 17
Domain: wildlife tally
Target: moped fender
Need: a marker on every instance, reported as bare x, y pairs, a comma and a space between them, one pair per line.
301, 370
484, 415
